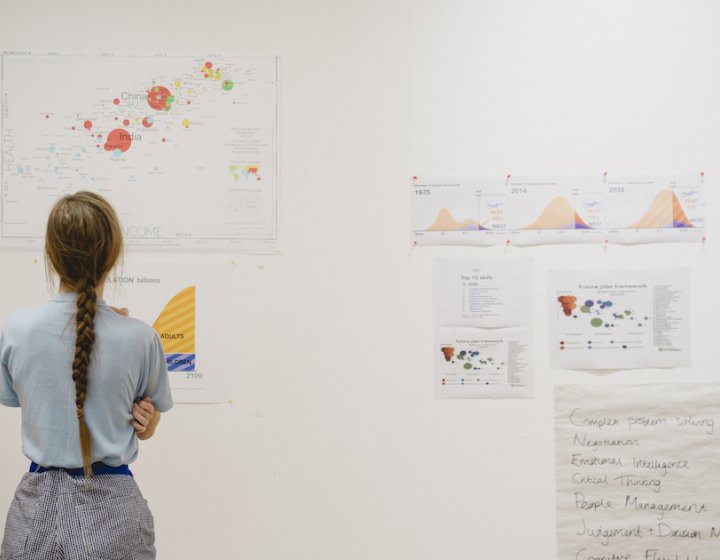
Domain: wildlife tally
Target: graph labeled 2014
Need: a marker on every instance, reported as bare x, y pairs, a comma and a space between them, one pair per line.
489, 210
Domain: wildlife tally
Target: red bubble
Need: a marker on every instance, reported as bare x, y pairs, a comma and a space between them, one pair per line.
147, 123
118, 139
159, 98
126, 122
208, 65
47, 116
116, 118
205, 75
116, 101
87, 124
163, 139
99, 135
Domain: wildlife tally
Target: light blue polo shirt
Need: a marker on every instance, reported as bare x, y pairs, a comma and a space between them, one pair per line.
37, 347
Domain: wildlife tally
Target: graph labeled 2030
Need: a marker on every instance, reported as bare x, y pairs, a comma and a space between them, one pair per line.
490, 210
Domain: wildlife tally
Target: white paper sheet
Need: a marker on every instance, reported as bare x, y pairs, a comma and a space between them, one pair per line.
486, 293
184, 147
638, 471
610, 319
188, 307
483, 335
482, 363
495, 209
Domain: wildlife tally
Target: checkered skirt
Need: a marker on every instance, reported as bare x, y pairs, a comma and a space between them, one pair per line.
55, 516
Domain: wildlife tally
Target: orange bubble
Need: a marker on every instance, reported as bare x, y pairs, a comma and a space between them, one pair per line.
160, 98
118, 139
448, 352
87, 124
568, 304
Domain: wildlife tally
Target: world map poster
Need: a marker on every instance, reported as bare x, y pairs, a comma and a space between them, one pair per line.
184, 147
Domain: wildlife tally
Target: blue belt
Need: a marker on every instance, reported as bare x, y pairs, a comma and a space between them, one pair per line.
97, 468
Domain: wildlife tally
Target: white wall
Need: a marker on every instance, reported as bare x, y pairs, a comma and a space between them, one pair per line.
554, 87
334, 447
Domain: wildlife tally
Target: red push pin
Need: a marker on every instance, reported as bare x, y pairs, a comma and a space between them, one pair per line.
702, 176
605, 174
507, 244
507, 179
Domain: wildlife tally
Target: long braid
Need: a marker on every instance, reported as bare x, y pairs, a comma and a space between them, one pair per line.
86, 300
83, 242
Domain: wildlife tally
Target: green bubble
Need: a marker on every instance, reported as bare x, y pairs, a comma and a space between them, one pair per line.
468, 366
596, 322
227, 85
585, 309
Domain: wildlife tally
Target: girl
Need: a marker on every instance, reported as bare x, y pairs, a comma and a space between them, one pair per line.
90, 383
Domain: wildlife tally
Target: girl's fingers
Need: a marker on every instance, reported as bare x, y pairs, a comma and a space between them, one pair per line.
138, 428
140, 417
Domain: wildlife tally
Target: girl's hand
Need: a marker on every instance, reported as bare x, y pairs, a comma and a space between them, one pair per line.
143, 412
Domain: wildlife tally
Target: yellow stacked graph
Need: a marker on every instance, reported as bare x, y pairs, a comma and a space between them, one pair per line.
664, 212
176, 327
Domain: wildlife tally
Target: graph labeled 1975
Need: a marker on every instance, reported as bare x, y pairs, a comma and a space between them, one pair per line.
489, 210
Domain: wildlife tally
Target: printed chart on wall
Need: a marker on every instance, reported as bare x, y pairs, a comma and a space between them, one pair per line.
490, 210
611, 319
483, 339
184, 147
182, 306
638, 471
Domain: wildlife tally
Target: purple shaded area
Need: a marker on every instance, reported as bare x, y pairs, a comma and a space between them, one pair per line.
180, 362
581, 226
681, 225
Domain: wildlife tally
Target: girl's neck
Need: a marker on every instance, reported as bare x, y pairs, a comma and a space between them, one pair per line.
64, 288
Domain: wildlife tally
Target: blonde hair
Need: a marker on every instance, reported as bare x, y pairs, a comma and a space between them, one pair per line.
83, 242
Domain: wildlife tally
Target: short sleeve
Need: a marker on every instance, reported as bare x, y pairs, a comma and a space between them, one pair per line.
156, 382
7, 393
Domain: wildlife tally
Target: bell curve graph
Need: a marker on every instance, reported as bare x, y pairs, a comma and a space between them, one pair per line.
490, 210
